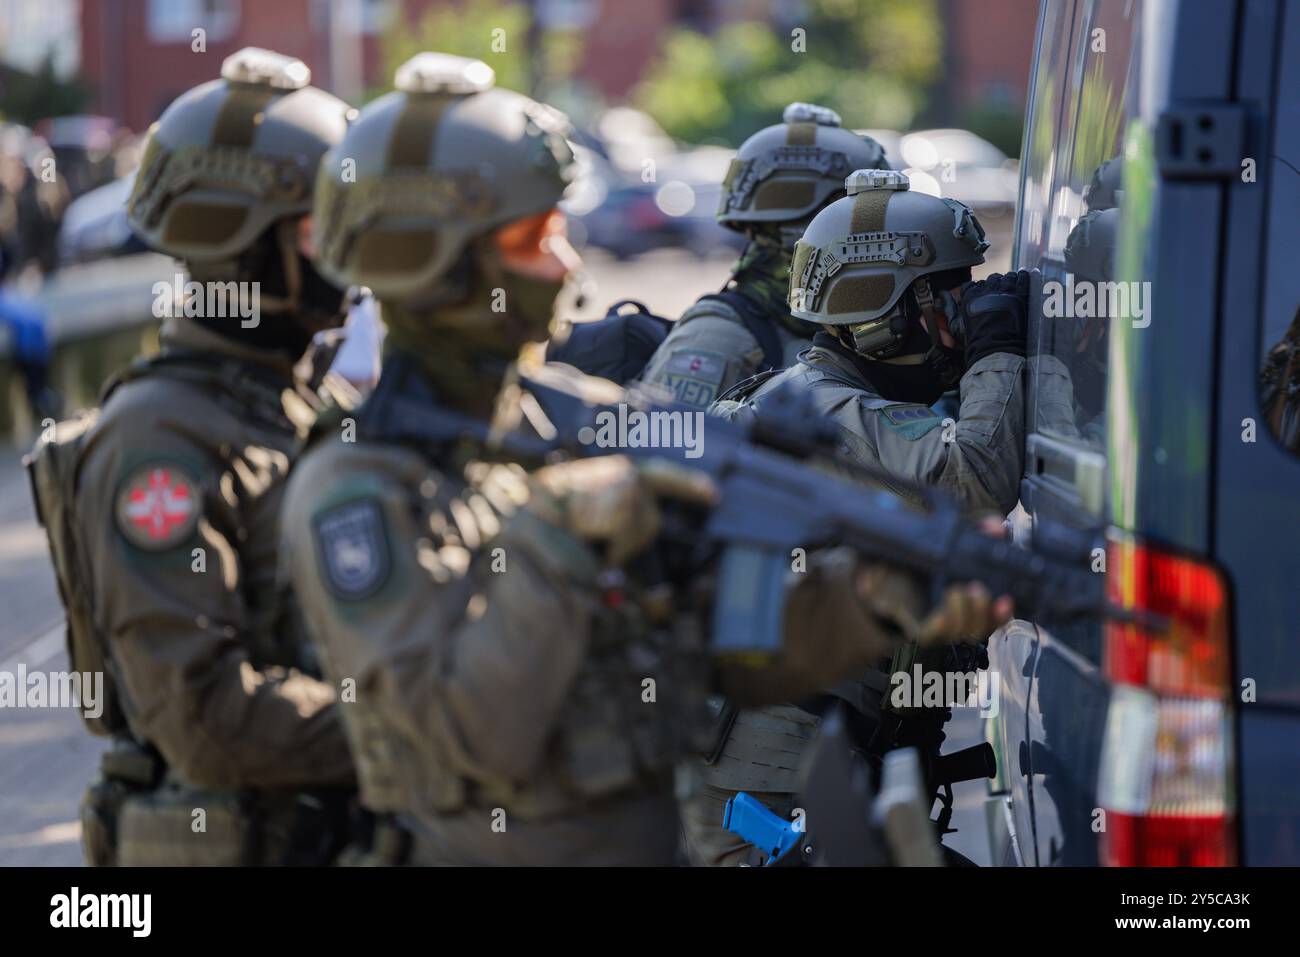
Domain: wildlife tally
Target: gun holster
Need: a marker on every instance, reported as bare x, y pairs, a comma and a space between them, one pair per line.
125, 769
720, 728
323, 824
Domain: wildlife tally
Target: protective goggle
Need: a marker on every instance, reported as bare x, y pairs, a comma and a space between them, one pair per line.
537, 243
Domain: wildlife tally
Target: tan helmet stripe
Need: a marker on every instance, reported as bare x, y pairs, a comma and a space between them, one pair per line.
801, 134
415, 131
869, 211
236, 123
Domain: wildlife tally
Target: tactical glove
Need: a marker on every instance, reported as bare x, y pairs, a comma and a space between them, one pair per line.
842, 616
994, 316
613, 501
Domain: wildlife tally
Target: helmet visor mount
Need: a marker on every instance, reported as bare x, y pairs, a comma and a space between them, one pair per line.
200, 197
386, 219
912, 248
747, 186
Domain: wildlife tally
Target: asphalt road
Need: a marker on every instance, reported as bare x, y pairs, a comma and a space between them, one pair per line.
47, 758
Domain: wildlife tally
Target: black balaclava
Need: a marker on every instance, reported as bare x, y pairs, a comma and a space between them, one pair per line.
287, 323
923, 382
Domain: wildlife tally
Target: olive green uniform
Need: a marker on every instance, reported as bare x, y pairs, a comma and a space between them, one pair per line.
709, 350
977, 459
501, 710
181, 482
780, 177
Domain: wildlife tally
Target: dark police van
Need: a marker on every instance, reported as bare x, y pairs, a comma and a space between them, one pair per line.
1160, 199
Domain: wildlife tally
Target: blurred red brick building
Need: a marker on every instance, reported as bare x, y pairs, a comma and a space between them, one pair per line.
990, 44
138, 55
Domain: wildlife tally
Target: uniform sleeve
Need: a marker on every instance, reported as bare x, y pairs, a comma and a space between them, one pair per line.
979, 459
1050, 381
706, 352
468, 651
167, 596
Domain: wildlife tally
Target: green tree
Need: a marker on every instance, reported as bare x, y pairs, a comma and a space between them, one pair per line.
28, 97
494, 31
870, 60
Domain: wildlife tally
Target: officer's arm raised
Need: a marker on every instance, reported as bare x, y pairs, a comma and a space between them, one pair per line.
977, 458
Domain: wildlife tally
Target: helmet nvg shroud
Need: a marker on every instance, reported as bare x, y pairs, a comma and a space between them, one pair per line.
862, 253
232, 157
445, 158
785, 173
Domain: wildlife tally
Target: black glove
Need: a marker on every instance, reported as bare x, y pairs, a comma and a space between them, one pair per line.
994, 315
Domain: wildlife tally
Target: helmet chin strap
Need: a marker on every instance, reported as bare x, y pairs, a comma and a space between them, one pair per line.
286, 241
939, 357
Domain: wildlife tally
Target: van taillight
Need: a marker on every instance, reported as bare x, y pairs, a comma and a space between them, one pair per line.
1188, 655
1166, 766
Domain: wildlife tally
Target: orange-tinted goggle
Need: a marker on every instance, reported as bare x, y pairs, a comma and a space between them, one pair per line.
529, 238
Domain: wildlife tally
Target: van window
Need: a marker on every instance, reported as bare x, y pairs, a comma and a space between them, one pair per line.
1280, 315
1084, 95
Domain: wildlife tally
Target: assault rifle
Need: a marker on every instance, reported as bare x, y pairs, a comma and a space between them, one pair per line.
781, 488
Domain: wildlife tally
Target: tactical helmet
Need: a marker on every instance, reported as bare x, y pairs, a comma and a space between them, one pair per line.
1106, 188
231, 157
1090, 247
445, 158
862, 253
785, 173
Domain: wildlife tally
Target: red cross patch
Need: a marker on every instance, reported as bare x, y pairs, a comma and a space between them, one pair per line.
157, 506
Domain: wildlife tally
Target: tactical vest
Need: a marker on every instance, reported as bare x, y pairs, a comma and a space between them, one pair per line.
620, 345
608, 741
53, 468
114, 824
758, 325
826, 392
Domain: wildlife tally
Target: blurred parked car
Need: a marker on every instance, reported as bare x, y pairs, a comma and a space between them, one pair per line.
957, 164
641, 191
95, 226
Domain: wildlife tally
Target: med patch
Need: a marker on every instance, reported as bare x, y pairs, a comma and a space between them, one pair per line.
910, 421
694, 375
158, 506
352, 546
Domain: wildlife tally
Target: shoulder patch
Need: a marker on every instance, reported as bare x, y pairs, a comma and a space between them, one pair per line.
910, 421
352, 546
158, 506
694, 376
